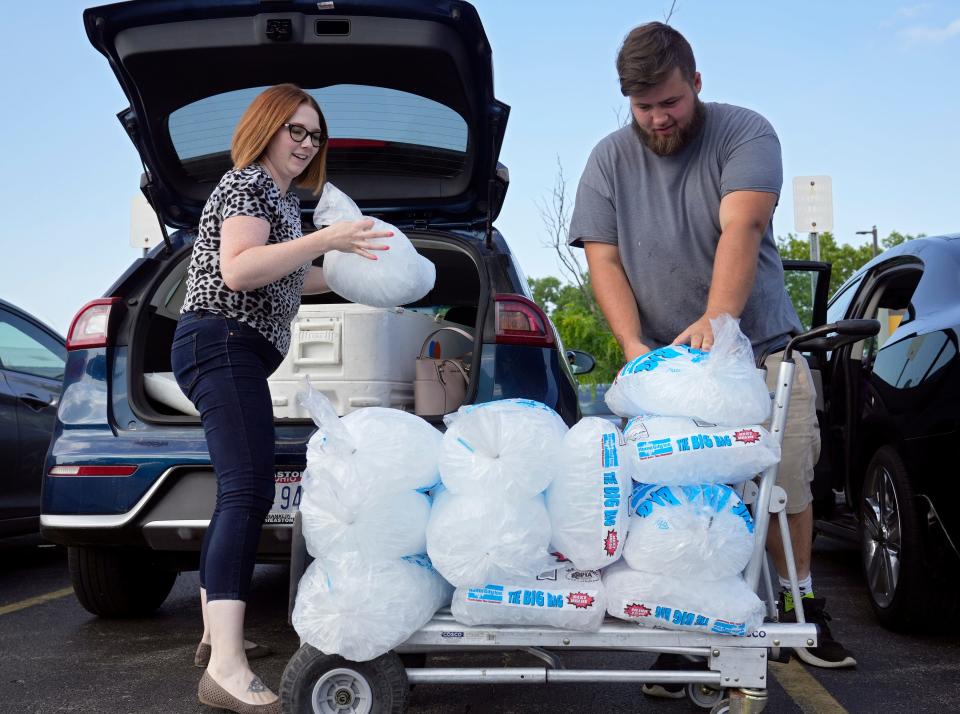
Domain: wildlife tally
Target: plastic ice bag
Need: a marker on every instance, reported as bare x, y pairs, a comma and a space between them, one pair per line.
588, 499
561, 597
371, 449
701, 531
377, 526
360, 610
722, 386
681, 450
725, 606
475, 540
397, 277
506, 447
399, 448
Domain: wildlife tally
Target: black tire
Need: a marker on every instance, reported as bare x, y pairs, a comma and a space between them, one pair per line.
310, 669
892, 533
111, 582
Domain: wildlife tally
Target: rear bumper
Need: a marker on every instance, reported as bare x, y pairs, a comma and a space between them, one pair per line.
172, 516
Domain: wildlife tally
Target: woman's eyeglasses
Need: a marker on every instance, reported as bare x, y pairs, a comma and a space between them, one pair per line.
298, 132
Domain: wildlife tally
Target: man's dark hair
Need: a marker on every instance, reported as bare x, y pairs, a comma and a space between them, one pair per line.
649, 54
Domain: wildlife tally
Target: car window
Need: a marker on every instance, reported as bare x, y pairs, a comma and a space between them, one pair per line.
911, 362
24, 347
838, 306
375, 130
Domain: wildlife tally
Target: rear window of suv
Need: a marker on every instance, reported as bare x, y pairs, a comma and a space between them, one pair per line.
373, 130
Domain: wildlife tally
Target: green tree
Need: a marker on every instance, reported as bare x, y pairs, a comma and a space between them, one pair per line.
845, 260
580, 324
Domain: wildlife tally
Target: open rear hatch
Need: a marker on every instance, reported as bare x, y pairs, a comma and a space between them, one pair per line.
406, 88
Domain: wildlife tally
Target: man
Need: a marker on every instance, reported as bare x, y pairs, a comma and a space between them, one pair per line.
674, 214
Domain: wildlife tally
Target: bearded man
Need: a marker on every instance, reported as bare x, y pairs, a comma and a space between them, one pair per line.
675, 213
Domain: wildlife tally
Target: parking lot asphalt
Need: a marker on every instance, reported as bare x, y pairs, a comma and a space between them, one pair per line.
56, 657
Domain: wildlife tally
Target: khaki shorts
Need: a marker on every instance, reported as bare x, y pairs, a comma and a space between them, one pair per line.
801, 435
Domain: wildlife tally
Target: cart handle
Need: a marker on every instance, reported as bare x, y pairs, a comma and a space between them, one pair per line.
827, 338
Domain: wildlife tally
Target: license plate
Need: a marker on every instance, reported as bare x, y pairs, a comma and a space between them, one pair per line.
286, 497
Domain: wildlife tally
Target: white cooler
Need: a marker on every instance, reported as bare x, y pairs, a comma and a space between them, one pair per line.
358, 356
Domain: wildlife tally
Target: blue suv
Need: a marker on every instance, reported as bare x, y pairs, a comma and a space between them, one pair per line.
407, 90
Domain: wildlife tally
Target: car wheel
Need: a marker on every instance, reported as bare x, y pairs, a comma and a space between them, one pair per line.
111, 582
316, 683
891, 538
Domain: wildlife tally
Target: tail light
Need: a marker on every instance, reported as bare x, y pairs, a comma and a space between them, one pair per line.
91, 470
521, 322
91, 326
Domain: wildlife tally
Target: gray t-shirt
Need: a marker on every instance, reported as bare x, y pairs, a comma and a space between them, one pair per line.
663, 213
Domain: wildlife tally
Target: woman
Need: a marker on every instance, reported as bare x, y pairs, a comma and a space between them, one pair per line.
249, 268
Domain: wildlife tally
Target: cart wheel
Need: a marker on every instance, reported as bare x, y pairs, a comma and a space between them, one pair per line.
742, 701
721, 707
703, 695
315, 683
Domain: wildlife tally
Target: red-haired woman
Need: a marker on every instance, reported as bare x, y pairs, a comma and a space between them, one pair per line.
249, 267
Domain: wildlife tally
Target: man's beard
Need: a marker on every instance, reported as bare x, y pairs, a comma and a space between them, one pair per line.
673, 142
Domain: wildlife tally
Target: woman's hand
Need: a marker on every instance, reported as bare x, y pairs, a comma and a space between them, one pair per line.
354, 237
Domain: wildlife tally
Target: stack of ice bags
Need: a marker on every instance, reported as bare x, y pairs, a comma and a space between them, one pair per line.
365, 511
695, 426
489, 524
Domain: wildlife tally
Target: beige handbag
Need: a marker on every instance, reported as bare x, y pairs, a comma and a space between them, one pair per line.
441, 384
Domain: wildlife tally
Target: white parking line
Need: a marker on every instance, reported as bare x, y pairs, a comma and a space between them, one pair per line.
38, 600
806, 692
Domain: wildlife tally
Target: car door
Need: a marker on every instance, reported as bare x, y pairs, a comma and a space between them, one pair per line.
883, 293
832, 410
32, 360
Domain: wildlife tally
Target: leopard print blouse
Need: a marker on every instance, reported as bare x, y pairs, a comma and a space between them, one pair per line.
247, 192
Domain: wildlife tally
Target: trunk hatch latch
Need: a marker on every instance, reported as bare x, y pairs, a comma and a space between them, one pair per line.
279, 30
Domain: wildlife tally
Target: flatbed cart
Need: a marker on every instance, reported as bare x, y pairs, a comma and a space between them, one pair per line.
735, 679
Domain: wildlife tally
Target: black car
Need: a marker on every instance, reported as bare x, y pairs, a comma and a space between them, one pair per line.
890, 425
407, 89
32, 358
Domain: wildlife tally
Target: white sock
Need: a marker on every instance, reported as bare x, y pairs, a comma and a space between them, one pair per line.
805, 585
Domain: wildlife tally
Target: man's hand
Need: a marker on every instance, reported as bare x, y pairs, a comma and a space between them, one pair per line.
634, 349
699, 335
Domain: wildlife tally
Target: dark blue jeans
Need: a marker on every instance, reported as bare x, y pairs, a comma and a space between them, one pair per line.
222, 366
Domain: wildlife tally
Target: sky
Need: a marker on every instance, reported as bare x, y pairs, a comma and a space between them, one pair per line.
863, 92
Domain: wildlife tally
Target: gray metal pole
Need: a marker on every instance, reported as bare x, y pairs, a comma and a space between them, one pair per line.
814, 246
814, 255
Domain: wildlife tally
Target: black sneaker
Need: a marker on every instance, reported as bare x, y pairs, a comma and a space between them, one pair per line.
828, 653
672, 662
